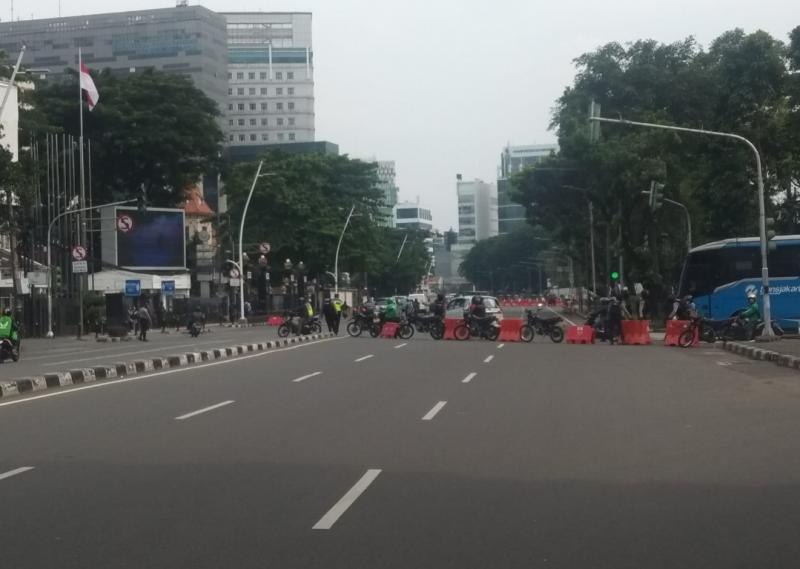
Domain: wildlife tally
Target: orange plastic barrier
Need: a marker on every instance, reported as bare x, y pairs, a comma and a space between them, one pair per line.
450, 325
636, 332
509, 330
580, 335
389, 330
674, 330
274, 321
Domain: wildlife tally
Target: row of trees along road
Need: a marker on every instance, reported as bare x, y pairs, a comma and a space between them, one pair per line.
747, 84
158, 131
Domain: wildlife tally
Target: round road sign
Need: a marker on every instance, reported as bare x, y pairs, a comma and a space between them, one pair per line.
78, 253
124, 223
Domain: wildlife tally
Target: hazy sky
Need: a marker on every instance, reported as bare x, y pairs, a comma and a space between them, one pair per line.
440, 86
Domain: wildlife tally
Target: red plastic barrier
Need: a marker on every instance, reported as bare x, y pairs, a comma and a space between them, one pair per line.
389, 330
274, 321
450, 325
636, 332
509, 330
674, 330
580, 335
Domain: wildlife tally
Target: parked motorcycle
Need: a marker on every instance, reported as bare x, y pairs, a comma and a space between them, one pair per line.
362, 320
311, 326
544, 326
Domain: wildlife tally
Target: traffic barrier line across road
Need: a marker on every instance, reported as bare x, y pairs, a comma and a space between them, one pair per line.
52, 380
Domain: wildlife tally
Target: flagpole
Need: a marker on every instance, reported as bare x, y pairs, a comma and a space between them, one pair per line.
82, 236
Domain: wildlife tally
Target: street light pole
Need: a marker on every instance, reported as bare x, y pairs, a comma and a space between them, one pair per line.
688, 222
338, 246
762, 219
591, 246
242, 318
50, 333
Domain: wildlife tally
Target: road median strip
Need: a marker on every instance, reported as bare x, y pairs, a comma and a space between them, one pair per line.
57, 379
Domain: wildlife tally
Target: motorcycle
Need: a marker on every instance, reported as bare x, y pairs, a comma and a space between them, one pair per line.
423, 322
8, 350
404, 330
537, 324
362, 320
488, 328
311, 326
195, 329
733, 328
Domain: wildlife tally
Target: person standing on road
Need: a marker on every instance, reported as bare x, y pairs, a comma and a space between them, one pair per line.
337, 307
329, 312
144, 322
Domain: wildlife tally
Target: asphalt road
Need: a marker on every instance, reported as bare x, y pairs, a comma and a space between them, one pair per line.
415, 454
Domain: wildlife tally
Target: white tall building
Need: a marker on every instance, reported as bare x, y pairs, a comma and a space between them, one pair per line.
410, 215
9, 133
270, 78
477, 210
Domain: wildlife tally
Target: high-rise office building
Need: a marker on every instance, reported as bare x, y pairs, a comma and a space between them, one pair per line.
387, 184
412, 215
514, 159
477, 210
189, 40
270, 78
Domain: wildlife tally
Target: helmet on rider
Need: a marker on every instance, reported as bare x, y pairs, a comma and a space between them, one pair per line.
7, 312
440, 297
751, 297
477, 300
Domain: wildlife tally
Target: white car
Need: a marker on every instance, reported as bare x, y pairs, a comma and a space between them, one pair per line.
456, 307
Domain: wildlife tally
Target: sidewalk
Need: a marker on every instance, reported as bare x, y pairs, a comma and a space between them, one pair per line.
784, 352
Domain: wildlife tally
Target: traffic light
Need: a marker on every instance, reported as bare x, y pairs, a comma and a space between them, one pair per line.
141, 200
769, 224
58, 280
614, 276
656, 195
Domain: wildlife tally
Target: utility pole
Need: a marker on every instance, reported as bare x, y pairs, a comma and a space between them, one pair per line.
591, 246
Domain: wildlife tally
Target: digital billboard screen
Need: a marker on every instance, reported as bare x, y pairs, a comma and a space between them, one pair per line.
150, 240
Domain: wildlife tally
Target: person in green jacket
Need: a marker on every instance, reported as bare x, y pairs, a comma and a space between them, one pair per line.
390, 314
8, 327
751, 315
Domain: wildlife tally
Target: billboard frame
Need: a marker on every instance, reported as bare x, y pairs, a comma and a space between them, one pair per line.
117, 210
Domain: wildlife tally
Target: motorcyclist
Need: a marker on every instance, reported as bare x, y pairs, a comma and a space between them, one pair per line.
751, 315
477, 311
390, 314
8, 328
197, 317
682, 309
438, 308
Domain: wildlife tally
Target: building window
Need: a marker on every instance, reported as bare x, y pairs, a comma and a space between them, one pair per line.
278, 91
265, 136
279, 106
251, 76
230, 122
263, 106
263, 122
230, 106
280, 136
264, 91
290, 90
240, 91
241, 122
291, 136
230, 91
252, 106
240, 106
253, 137
252, 90
279, 75
291, 121
253, 122
240, 75
241, 138
230, 138
290, 75
280, 122
291, 106
263, 75
230, 75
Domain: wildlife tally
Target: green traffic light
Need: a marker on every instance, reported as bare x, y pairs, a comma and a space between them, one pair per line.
614, 276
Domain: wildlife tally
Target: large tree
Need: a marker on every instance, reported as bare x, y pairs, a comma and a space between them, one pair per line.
150, 129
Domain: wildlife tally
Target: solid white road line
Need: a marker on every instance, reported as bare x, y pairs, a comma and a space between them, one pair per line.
167, 372
469, 378
401, 345
488, 359
330, 518
432, 413
305, 377
14, 472
500, 346
203, 410
361, 359
724, 363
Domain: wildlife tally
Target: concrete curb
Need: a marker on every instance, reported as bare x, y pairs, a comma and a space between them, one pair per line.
121, 370
754, 353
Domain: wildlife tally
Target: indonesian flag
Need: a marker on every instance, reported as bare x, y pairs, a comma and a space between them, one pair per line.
92, 96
